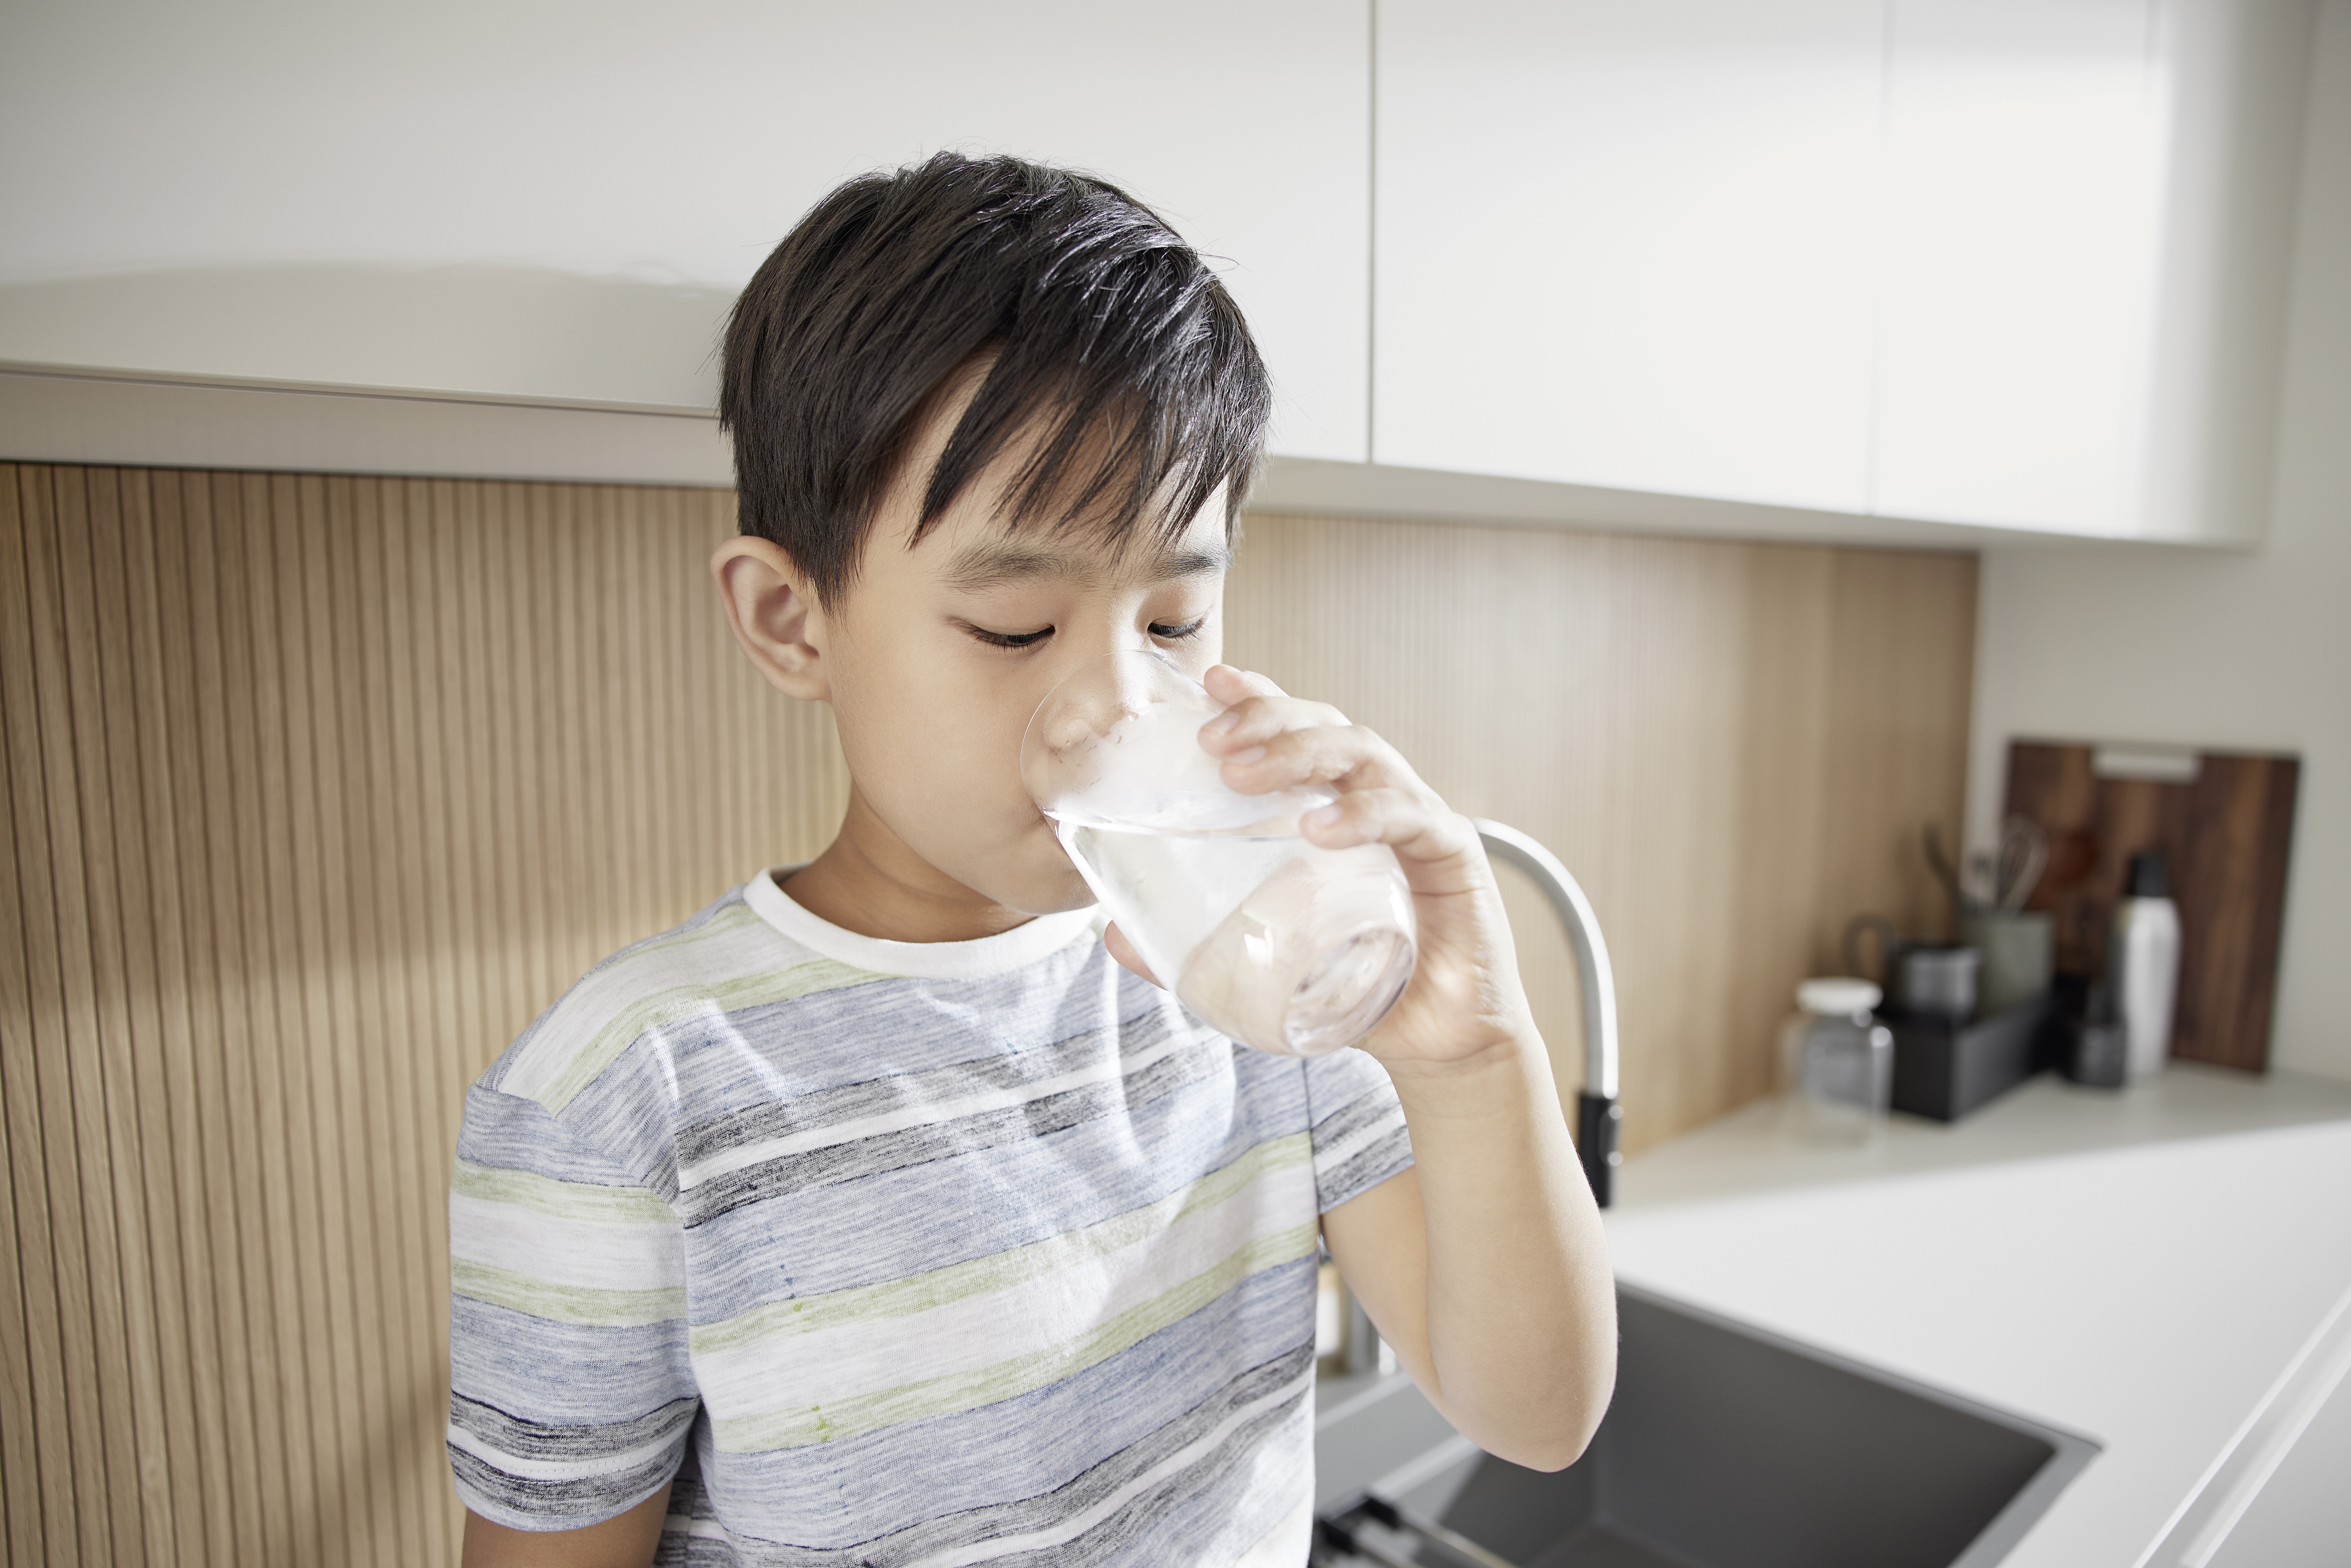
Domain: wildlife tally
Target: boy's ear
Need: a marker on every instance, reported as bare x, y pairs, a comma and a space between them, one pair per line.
775, 619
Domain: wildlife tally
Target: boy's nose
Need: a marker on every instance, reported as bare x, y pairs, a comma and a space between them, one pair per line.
1091, 699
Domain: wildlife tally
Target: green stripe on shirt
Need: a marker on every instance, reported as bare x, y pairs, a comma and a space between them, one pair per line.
564, 1304
1019, 1375
559, 1199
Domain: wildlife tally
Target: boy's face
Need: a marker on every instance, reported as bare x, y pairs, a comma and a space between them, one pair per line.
941, 654
935, 658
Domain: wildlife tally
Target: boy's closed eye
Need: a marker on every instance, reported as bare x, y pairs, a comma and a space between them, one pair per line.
1165, 631
1007, 638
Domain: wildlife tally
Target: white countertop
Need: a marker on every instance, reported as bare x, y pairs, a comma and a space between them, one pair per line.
2138, 1267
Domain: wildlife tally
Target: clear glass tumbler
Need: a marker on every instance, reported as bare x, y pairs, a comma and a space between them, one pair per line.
1285, 946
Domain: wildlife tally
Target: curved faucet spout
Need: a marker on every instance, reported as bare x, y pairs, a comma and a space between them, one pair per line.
1599, 1116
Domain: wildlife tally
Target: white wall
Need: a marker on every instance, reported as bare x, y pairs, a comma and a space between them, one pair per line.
2250, 651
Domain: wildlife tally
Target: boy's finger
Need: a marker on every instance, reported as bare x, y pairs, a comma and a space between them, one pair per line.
1258, 720
1427, 835
1228, 684
1347, 755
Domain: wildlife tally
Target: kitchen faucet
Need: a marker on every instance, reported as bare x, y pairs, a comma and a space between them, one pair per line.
1598, 1115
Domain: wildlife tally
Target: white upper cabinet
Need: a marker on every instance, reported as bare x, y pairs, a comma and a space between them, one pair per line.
1627, 243
559, 200
2022, 194
2014, 264
2087, 216
1899, 265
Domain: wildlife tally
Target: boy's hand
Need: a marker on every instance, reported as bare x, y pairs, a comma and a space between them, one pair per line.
1465, 999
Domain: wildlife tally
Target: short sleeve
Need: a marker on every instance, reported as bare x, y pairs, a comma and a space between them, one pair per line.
570, 1392
1357, 1125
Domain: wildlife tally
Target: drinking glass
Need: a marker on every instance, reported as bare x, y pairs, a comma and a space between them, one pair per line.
1284, 945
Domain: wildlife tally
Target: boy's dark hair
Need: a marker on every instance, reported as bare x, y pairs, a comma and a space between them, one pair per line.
1110, 338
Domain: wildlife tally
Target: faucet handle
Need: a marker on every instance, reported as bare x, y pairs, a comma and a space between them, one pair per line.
1598, 1119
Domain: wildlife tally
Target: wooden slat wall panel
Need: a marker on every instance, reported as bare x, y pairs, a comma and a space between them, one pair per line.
317, 789
1734, 747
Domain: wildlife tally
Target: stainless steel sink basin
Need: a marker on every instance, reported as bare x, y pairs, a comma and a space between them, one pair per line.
1725, 1447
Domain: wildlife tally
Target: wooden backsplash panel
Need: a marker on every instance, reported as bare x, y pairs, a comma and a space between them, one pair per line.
318, 790
1733, 747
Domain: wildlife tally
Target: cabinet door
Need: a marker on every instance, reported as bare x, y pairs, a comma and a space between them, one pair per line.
1246, 125
1627, 243
2024, 155
356, 154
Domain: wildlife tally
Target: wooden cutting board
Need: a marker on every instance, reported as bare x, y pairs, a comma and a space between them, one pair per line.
2226, 833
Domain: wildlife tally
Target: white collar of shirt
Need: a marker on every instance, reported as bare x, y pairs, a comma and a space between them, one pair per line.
997, 955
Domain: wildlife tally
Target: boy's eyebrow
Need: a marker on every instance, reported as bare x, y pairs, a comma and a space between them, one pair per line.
997, 561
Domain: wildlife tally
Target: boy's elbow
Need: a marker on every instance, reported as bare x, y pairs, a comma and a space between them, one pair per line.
1557, 1458
1568, 1424
1552, 1450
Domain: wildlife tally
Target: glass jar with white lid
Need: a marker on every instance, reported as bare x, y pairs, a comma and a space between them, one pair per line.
1836, 1063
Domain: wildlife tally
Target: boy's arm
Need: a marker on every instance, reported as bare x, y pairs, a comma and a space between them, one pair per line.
628, 1540
572, 1393
1496, 1302
1484, 1266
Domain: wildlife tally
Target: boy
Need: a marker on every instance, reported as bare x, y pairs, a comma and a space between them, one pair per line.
865, 1220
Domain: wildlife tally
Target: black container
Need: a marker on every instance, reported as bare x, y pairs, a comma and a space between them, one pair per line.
2087, 1044
2094, 1054
1944, 1069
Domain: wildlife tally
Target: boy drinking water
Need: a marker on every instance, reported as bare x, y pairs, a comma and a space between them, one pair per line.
863, 1219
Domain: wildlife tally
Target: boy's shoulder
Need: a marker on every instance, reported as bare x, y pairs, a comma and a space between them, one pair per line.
724, 960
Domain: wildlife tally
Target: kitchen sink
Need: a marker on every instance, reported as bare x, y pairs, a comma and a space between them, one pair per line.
1725, 1447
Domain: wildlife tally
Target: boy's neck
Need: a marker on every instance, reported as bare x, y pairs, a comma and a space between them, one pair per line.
870, 883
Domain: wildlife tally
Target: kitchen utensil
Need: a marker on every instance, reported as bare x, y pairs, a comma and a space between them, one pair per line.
2007, 876
1941, 864
1925, 978
2024, 852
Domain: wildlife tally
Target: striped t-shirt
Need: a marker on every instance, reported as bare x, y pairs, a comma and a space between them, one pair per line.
912, 1254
